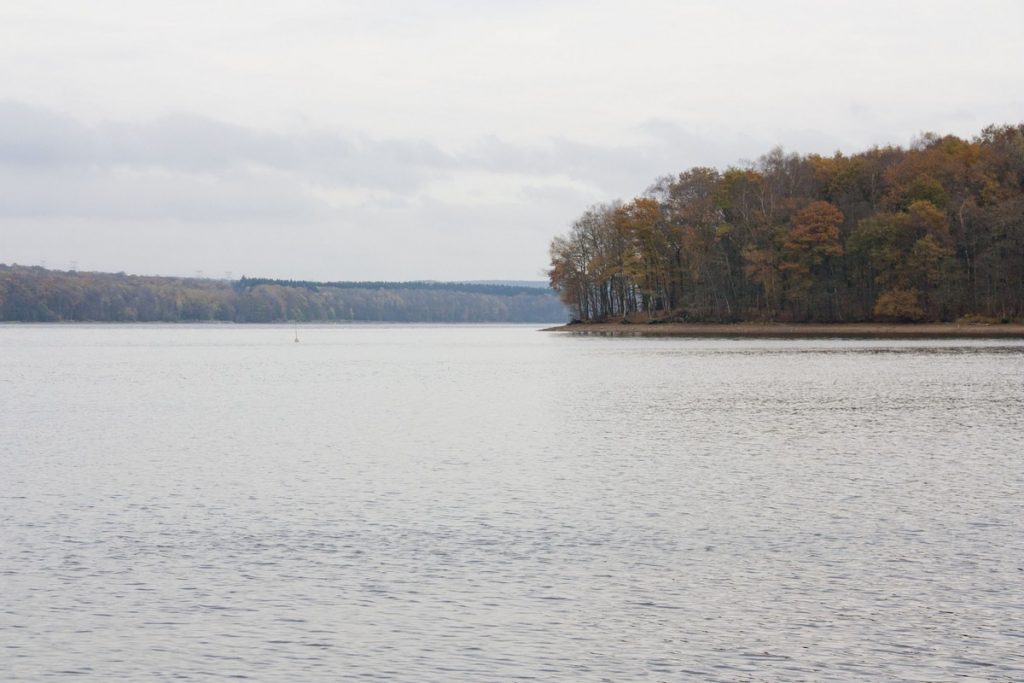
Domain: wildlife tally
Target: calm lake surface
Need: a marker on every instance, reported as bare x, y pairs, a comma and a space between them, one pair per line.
500, 504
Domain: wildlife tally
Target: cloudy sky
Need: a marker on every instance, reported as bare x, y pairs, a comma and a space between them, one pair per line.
440, 139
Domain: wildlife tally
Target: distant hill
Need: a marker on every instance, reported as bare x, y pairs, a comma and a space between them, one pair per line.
534, 284
497, 287
34, 294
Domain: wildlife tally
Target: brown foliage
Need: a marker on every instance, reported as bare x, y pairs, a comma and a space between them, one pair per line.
927, 233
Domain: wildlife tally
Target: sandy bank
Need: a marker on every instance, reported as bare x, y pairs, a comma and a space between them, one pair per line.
796, 330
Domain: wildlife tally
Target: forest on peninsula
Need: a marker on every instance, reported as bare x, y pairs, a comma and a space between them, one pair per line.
35, 294
934, 232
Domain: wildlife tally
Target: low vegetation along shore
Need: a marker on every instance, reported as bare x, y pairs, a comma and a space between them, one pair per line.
798, 330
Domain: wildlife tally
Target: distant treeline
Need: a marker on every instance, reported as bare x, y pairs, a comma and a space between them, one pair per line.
930, 233
33, 294
470, 287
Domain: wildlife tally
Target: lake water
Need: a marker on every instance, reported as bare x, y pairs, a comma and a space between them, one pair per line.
501, 504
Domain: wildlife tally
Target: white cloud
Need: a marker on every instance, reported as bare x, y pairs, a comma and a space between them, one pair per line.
391, 137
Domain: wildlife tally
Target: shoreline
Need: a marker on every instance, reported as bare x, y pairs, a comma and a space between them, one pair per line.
798, 330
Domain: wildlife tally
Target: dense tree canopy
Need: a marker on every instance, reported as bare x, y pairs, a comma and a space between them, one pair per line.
33, 294
934, 232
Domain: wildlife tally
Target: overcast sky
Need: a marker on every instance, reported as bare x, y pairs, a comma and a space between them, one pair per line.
443, 139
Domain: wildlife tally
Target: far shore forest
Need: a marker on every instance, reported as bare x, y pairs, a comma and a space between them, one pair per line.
930, 233
35, 294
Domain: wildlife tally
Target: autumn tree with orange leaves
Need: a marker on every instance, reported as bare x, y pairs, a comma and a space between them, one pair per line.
930, 233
